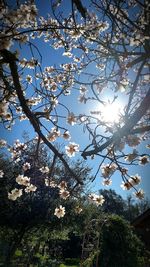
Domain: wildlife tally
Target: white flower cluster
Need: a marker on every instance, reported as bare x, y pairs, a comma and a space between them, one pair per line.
25, 181
137, 40
53, 135
96, 199
123, 85
15, 193
23, 117
49, 69
82, 98
17, 149
92, 29
26, 166
108, 169
133, 140
67, 53
107, 181
139, 194
4, 110
30, 188
100, 66
51, 183
72, 120
130, 157
71, 149
50, 83
33, 101
133, 181
29, 64
23, 17
45, 169
63, 192
69, 67
54, 101
3, 143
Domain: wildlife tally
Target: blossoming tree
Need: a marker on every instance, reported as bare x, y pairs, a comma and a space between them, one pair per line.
106, 49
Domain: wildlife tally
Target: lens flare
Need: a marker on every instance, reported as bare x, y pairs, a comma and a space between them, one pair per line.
110, 113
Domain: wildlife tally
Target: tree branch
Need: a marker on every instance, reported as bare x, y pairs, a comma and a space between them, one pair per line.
11, 59
126, 129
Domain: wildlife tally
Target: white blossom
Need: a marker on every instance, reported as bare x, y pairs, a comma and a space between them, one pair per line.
1, 173
107, 181
26, 166
66, 135
30, 188
53, 135
64, 194
132, 156
108, 170
23, 180
78, 209
144, 160
139, 194
71, 119
29, 79
60, 212
133, 140
44, 169
126, 185
3, 108
96, 199
71, 149
50, 183
14, 194
135, 180
3, 143
62, 185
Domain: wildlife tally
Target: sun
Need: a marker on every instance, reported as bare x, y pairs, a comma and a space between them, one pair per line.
111, 112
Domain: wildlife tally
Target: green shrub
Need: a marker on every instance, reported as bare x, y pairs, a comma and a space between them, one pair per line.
71, 261
120, 247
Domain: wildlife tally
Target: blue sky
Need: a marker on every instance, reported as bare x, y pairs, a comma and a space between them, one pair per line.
50, 57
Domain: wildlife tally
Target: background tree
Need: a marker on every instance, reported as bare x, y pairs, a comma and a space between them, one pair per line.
120, 246
109, 240
114, 203
128, 208
32, 212
23, 220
